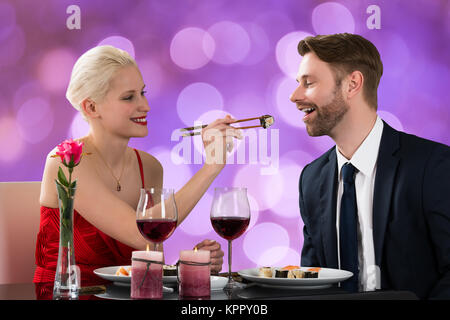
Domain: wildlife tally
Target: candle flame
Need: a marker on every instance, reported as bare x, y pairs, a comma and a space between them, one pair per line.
195, 249
148, 247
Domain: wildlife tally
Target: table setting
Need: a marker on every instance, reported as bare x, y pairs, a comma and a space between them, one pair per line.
190, 278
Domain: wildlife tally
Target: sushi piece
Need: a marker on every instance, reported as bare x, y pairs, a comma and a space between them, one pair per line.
296, 274
123, 272
266, 121
280, 273
265, 272
169, 270
311, 274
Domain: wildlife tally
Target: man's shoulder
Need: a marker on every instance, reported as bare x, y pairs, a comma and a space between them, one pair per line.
314, 167
412, 145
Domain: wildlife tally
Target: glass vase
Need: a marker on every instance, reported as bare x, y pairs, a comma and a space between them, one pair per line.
66, 285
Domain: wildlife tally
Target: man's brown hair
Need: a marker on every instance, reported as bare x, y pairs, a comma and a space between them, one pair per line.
346, 53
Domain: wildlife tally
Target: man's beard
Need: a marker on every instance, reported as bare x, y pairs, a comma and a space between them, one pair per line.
328, 116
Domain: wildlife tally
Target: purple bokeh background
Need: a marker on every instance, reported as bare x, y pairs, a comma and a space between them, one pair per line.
222, 56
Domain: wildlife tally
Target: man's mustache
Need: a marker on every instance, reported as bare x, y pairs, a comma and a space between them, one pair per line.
306, 105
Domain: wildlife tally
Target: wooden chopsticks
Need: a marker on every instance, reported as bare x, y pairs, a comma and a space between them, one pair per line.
265, 122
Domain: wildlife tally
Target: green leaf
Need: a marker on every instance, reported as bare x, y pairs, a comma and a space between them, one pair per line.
62, 195
62, 178
73, 184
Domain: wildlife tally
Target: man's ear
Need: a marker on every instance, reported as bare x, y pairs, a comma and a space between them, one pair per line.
355, 81
89, 108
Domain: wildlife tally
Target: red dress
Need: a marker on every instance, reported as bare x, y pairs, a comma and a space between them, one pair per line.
93, 248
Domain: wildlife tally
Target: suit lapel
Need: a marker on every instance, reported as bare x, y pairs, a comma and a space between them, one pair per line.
387, 164
327, 205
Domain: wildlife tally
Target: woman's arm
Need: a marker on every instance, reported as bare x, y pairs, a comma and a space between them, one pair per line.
215, 138
98, 205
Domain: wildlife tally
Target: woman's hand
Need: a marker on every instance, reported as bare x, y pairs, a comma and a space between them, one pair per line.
216, 254
218, 139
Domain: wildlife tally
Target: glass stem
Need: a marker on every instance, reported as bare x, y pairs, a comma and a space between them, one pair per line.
229, 261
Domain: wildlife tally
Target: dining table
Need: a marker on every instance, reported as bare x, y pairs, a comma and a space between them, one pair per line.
244, 291
247, 301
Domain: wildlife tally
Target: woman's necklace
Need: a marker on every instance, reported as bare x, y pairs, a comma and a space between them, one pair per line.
119, 187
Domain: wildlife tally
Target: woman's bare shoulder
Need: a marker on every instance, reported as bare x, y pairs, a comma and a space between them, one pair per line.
48, 196
150, 161
152, 167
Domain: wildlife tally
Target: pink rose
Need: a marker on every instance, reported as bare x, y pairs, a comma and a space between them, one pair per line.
68, 149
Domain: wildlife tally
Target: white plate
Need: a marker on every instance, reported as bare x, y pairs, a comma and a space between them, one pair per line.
109, 273
217, 283
326, 278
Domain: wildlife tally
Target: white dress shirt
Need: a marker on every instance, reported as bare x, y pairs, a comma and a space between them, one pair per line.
365, 161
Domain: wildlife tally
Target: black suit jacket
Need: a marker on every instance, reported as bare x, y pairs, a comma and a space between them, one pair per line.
411, 213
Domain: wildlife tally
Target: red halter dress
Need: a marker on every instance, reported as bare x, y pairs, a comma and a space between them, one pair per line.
93, 248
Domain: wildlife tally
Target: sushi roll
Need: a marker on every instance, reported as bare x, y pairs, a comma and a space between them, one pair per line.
311, 274
281, 273
296, 274
266, 121
265, 272
169, 270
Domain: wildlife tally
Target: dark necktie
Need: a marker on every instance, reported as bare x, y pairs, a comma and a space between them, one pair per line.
348, 237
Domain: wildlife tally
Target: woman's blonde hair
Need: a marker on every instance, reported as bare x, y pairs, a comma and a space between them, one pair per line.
92, 73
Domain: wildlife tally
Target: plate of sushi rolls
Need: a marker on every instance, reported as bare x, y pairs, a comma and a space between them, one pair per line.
295, 276
122, 274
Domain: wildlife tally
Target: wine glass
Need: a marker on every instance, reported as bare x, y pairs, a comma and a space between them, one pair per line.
230, 216
156, 214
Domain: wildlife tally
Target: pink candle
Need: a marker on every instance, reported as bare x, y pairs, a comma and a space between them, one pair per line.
146, 282
195, 280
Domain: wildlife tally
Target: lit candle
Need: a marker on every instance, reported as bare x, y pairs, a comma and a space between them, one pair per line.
194, 274
146, 277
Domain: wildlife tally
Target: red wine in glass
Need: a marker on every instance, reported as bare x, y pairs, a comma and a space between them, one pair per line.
230, 228
230, 217
156, 230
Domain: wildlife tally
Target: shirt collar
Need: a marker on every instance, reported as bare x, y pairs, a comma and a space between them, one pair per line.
365, 157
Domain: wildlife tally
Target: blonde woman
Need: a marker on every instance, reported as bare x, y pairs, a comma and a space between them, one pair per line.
106, 86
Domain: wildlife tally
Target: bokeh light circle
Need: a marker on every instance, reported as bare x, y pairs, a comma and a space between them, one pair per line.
198, 222
26, 91
274, 235
175, 175
55, 69
332, 17
192, 48
11, 141
119, 42
287, 55
287, 206
232, 42
197, 99
267, 188
35, 120
286, 108
279, 256
391, 119
259, 44
395, 54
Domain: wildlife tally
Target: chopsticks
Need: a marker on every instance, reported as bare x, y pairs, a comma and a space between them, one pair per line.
92, 290
265, 122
